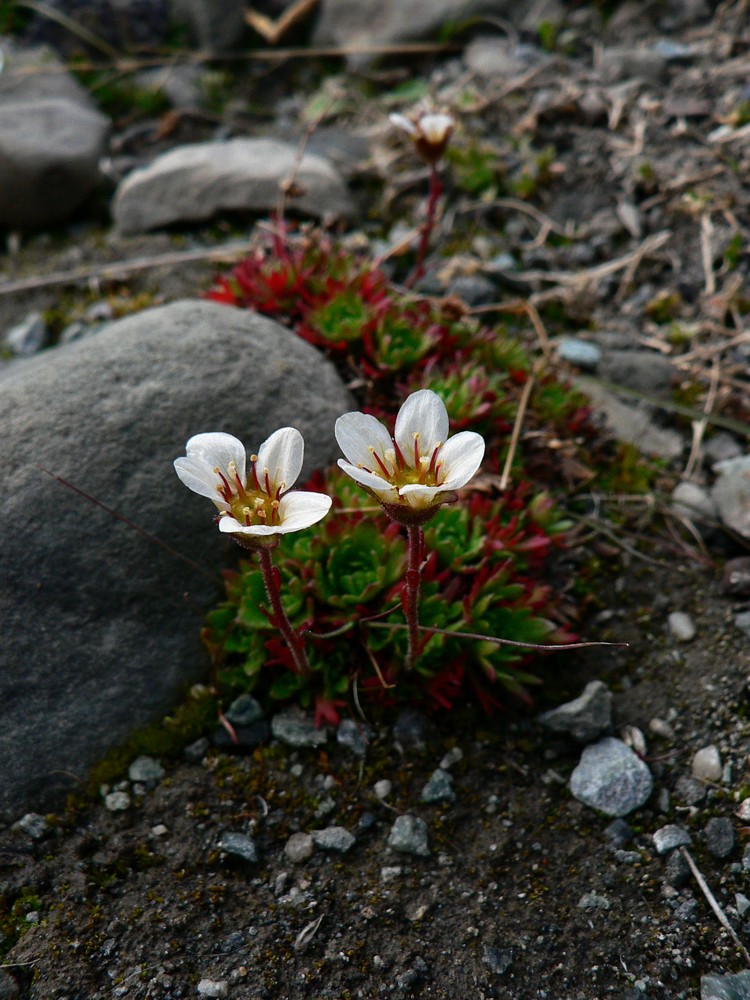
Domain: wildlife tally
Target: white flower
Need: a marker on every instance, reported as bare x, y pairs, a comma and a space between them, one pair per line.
254, 502
418, 468
430, 132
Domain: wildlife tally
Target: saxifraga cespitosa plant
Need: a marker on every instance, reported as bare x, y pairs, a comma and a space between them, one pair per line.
486, 556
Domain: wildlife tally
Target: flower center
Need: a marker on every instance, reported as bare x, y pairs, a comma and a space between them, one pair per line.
425, 470
254, 502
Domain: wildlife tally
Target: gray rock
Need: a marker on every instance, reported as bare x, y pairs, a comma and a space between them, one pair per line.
197, 181
493, 57
147, 771
410, 730
742, 621
244, 711
354, 736
299, 848
216, 25
731, 494
333, 838
670, 837
499, 959
593, 901
611, 778
682, 626
644, 371
473, 289
353, 23
239, 845
115, 639
620, 63
707, 764
28, 336
735, 579
297, 729
720, 837
51, 139
734, 986
439, 788
34, 825
195, 752
633, 424
721, 447
581, 353
694, 503
409, 836
586, 718
117, 801
689, 791
677, 871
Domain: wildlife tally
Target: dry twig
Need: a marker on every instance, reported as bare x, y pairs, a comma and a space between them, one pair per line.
713, 903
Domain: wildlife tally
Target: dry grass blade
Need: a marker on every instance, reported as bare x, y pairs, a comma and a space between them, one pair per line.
713, 903
307, 933
117, 268
53, 14
517, 425
699, 426
707, 230
273, 31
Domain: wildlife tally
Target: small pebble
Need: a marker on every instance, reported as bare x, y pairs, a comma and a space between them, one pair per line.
244, 711
28, 336
297, 730
735, 579
743, 811
159, 830
681, 626
239, 845
390, 872
498, 959
720, 836
707, 764
383, 788
689, 791
299, 848
742, 903
354, 736
593, 901
146, 770
670, 837
117, 801
452, 757
195, 752
439, 788
213, 988
34, 825
333, 838
661, 728
409, 836
580, 353
678, 872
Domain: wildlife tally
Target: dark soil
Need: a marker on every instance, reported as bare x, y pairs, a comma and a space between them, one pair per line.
144, 903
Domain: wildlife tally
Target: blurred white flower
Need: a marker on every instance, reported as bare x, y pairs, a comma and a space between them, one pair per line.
429, 131
417, 469
253, 503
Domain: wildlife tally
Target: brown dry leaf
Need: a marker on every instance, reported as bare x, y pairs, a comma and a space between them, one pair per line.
273, 31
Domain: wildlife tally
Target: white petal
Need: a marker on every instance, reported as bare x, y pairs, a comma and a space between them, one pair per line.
218, 449
232, 527
402, 122
357, 433
205, 453
420, 497
436, 128
379, 486
461, 457
423, 413
282, 454
299, 509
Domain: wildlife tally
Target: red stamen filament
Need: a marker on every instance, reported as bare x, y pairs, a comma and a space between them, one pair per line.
399, 456
253, 460
380, 462
225, 490
416, 451
434, 464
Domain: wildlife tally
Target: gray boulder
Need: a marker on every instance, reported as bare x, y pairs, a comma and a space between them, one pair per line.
197, 181
731, 494
100, 624
51, 139
352, 23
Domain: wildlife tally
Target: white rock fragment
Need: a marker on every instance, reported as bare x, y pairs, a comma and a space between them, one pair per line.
213, 988
682, 626
707, 764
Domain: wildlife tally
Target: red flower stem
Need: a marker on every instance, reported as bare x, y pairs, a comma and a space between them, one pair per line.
291, 637
436, 189
415, 542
